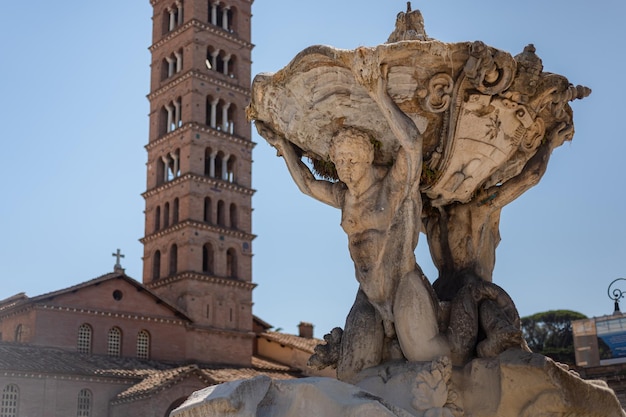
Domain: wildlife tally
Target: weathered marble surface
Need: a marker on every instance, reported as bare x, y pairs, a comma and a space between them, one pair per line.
514, 384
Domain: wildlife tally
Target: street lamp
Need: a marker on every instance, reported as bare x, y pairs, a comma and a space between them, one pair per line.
615, 295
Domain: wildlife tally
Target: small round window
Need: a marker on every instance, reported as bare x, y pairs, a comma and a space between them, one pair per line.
117, 295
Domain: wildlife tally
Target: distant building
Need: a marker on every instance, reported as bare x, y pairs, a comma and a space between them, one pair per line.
600, 347
112, 346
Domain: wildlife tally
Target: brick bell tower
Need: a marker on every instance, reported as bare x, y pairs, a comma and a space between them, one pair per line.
198, 228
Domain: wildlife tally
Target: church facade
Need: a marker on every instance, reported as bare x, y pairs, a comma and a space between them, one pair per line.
115, 346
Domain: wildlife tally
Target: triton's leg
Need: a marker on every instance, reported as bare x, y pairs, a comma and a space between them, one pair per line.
362, 341
415, 315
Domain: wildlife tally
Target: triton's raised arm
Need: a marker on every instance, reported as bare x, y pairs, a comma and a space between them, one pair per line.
373, 76
303, 177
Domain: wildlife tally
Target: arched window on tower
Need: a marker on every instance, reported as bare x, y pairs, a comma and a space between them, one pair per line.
232, 66
221, 215
160, 171
143, 345
175, 211
231, 263
230, 15
173, 259
207, 210
229, 123
172, 16
233, 216
209, 162
220, 15
172, 64
219, 162
83, 344
10, 401
230, 168
83, 408
172, 115
114, 342
224, 112
166, 215
211, 111
215, 60
208, 255
157, 218
156, 265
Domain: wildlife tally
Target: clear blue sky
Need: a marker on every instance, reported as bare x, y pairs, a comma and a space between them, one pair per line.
73, 81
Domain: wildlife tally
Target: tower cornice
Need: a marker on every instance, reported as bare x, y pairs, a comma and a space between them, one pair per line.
224, 231
196, 74
249, 144
231, 282
194, 23
224, 185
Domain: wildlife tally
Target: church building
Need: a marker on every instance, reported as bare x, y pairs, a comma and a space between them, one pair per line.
114, 346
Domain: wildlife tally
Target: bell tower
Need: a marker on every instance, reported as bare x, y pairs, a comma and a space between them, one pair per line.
198, 228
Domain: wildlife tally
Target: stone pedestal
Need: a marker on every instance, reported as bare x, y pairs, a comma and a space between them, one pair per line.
515, 384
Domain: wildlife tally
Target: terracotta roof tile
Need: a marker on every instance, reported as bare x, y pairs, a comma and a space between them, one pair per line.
19, 357
269, 365
158, 380
142, 377
294, 341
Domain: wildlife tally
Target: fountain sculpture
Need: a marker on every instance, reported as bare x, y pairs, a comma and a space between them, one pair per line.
418, 135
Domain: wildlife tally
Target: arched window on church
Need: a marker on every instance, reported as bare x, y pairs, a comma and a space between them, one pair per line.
19, 333
83, 408
10, 401
208, 255
231, 263
114, 342
143, 345
156, 265
173, 259
83, 344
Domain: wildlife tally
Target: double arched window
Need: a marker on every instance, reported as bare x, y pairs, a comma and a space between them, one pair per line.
173, 16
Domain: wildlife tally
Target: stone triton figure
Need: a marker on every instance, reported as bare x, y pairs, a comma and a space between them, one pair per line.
419, 135
381, 212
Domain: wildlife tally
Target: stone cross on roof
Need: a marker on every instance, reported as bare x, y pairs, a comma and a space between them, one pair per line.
118, 255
